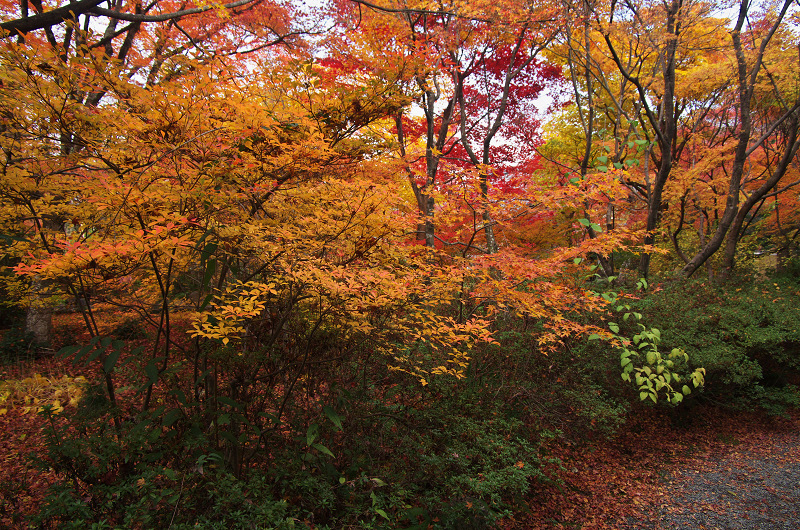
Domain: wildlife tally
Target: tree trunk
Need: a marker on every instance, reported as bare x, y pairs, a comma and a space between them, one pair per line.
39, 317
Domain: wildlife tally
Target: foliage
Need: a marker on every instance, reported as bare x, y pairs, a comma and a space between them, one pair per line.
744, 334
16, 345
34, 394
457, 459
353, 284
657, 373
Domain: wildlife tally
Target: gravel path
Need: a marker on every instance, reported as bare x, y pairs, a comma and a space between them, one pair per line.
753, 486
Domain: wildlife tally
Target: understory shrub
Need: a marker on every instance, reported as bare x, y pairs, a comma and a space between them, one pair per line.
16, 345
746, 334
388, 455
576, 388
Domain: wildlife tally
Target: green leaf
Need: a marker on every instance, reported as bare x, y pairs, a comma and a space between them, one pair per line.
170, 417
686, 390
229, 402
179, 396
651, 357
151, 370
624, 361
208, 250
677, 397
324, 450
206, 301
312, 433
111, 360
596, 227
333, 417
66, 351
602, 169
602, 159
618, 165
643, 395
654, 398
576, 261
94, 355
584, 222
382, 513
594, 336
211, 268
613, 327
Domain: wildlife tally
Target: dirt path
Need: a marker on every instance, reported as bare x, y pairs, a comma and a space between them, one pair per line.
724, 471
754, 485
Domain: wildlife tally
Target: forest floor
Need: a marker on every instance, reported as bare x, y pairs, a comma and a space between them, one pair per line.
714, 470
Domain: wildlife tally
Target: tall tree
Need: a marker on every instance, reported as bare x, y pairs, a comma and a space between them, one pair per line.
145, 43
775, 131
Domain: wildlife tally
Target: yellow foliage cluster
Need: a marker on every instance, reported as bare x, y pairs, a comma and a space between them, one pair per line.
33, 394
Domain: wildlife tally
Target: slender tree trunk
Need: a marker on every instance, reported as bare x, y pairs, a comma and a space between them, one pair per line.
668, 130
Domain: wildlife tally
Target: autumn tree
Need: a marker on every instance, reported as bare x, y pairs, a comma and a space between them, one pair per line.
472, 70
650, 82
766, 125
144, 43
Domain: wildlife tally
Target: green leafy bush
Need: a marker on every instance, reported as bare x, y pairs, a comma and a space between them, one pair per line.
16, 345
746, 335
136, 474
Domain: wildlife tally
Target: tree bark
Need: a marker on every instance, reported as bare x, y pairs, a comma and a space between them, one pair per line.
39, 315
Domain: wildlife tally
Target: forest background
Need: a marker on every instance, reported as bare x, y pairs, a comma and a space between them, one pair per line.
337, 267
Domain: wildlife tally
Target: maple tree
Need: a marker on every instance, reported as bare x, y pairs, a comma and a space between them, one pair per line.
769, 130
640, 73
155, 42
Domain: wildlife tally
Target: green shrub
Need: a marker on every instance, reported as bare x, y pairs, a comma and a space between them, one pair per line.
140, 475
746, 335
16, 345
455, 458
576, 388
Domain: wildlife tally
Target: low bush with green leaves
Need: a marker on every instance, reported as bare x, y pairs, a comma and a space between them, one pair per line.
448, 455
745, 334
